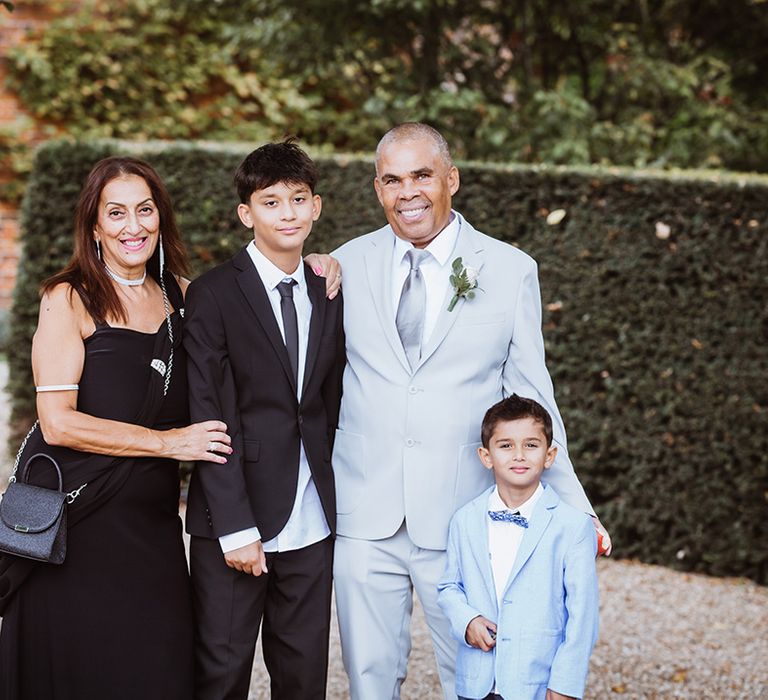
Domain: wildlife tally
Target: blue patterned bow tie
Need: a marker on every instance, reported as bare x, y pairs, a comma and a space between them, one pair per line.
504, 516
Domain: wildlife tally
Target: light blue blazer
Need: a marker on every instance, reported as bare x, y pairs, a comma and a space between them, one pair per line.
547, 625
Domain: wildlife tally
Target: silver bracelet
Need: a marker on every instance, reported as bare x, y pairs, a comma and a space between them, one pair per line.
56, 387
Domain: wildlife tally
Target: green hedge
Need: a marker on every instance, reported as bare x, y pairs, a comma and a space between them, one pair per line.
656, 337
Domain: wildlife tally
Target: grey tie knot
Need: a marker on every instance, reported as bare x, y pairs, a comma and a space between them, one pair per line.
416, 257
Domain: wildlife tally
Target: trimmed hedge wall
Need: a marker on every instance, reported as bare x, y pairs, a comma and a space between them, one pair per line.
656, 321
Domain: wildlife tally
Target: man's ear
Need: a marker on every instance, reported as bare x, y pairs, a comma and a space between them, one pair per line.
485, 457
453, 180
377, 187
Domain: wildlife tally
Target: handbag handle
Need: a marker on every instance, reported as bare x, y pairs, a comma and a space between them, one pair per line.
25, 471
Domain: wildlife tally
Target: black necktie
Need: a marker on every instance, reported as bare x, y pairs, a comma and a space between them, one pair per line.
290, 324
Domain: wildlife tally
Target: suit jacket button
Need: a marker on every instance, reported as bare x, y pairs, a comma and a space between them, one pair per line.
410, 442
301, 420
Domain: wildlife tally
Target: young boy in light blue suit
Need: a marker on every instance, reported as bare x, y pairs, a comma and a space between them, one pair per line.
520, 586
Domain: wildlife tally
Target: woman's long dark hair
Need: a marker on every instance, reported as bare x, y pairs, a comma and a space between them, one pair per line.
85, 273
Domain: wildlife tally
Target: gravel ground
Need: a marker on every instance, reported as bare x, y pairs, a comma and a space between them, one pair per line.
664, 634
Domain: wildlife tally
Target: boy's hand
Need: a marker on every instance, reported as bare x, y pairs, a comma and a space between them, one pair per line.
328, 267
604, 544
554, 695
249, 559
481, 633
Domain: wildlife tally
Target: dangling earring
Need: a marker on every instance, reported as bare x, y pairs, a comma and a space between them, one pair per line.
98, 249
161, 255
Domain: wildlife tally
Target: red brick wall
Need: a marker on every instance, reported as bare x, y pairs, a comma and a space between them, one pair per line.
14, 26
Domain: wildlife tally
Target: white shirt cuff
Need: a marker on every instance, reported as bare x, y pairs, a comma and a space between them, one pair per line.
235, 540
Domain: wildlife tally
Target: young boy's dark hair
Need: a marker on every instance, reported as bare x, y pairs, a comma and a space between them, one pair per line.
513, 408
272, 163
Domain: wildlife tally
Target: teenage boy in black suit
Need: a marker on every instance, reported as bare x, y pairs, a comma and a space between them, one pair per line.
266, 355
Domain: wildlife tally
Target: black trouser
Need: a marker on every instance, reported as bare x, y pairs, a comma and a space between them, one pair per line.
292, 603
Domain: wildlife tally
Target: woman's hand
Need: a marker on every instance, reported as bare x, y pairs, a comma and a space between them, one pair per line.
206, 441
328, 267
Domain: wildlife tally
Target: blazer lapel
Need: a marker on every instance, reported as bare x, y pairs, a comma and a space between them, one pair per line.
537, 525
316, 291
470, 249
378, 264
479, 542
256, 295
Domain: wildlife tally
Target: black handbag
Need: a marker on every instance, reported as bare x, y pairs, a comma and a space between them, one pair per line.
33, 519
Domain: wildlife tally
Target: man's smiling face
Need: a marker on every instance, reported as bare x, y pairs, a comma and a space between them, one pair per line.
414, 184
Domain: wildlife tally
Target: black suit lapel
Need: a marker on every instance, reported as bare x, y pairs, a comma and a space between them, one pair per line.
316, 291
256, 295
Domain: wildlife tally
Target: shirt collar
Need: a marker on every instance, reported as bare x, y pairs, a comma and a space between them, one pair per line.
440, 247
526, 508
271, 275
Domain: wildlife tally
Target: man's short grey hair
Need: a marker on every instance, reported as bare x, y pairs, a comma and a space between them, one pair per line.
411, 131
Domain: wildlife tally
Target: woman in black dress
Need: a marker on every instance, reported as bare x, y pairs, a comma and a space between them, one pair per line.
113, 621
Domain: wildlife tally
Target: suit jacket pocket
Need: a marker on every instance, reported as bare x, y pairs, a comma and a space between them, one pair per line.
251, 450
470, 319
540, 648
349, 469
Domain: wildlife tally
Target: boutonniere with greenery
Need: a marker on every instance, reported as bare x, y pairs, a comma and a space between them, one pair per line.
463, 281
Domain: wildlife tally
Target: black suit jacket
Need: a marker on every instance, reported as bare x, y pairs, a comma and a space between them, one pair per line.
239, 372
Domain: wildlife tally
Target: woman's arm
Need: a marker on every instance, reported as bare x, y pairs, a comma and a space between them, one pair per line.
58, 355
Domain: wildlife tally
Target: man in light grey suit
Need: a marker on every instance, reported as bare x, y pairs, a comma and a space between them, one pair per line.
418, 380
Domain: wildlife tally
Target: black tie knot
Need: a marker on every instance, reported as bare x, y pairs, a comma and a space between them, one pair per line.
286, 288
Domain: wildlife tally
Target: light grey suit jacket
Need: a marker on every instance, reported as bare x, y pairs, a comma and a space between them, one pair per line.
406, 445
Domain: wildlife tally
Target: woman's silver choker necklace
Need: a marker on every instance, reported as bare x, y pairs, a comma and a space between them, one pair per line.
126, 282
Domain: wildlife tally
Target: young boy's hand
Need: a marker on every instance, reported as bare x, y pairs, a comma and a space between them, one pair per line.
481, 633
249, 559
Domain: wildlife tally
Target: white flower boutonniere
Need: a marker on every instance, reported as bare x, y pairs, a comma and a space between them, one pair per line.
463, 281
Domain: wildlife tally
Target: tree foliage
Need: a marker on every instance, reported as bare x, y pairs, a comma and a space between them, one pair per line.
629, 82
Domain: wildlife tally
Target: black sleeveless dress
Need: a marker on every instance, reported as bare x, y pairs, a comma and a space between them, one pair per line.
115, 620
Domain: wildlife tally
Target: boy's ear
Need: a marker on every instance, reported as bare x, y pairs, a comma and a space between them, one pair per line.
550, 458
244, 214
485, 457
317, 207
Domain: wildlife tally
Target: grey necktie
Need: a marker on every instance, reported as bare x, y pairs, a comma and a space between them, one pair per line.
290, 324
412, 307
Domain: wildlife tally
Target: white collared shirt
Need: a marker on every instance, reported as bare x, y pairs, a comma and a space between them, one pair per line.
504, 538
306, 524
435, 270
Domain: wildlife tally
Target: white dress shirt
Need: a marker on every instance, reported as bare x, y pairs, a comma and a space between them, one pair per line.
306, 524
435, 270
504, 538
